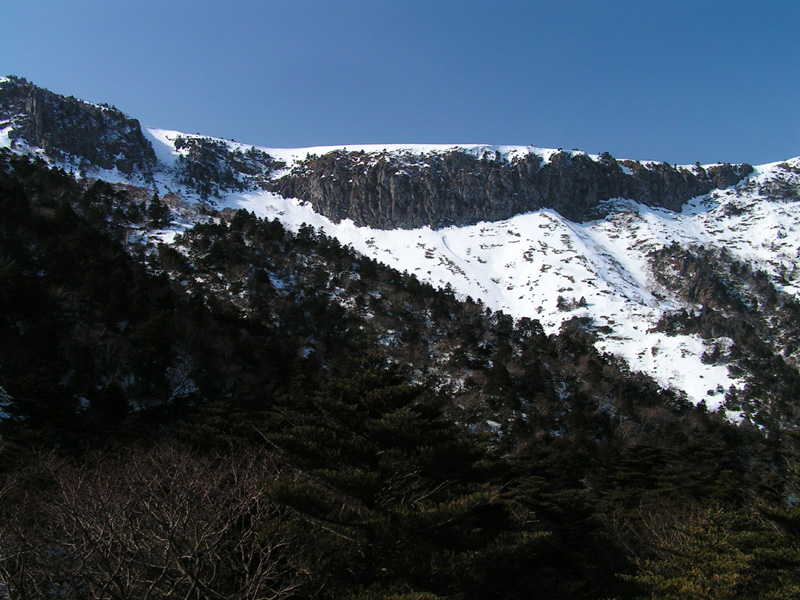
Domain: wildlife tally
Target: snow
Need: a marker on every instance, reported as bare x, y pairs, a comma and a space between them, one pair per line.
522, 265
163, 141
165, 236
5, 140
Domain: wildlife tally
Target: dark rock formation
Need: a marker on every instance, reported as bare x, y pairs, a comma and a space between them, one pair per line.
74, 131
390, 190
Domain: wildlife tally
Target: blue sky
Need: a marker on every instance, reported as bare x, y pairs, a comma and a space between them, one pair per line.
666, 80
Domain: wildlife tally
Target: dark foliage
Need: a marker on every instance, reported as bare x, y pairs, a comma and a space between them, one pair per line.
209, 167
372, 436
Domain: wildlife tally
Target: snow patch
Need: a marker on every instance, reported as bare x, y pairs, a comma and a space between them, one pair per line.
5, 139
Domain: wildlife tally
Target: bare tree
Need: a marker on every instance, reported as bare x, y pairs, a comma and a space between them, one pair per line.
151, 524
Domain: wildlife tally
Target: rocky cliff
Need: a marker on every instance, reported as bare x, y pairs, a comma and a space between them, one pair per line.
406, 190
74, 131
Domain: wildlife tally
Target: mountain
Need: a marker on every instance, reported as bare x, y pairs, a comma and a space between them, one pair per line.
546, 234
464, 186
389, 372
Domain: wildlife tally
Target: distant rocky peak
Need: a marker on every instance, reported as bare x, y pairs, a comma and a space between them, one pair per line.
387, 189
86, 135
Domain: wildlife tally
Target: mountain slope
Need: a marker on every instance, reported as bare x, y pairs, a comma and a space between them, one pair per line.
543, 266
196, 400
78, 133
509, 243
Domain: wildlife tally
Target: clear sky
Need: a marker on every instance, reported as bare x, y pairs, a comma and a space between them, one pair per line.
666, 80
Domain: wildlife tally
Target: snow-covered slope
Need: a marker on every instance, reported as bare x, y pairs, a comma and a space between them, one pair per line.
543, 266
538, 264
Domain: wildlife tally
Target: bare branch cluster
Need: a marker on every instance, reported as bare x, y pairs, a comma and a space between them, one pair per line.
149, 524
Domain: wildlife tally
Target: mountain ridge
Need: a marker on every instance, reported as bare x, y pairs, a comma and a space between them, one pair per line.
380, 188
538, 263
457, 188
68, 129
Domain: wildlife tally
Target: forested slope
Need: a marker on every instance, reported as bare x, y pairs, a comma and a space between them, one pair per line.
253, 413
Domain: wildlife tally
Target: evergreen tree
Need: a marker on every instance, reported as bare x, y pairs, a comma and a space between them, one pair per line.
725, 554
390, 498
157, 212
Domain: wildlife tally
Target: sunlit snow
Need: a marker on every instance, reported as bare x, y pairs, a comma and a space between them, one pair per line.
5, 140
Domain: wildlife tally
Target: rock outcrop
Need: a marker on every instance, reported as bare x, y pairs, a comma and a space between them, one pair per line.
405, 190
74, 131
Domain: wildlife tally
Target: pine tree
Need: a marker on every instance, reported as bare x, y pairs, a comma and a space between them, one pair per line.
389, 497
725, 554
157, 212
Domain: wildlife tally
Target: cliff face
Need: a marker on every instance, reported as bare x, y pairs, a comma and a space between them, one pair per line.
390, 190
74, 131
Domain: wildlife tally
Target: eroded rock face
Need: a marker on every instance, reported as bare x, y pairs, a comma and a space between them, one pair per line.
391, 190
74, 131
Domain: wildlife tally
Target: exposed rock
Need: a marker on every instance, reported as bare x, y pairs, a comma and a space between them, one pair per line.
71, 130
390, 190
726, 175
